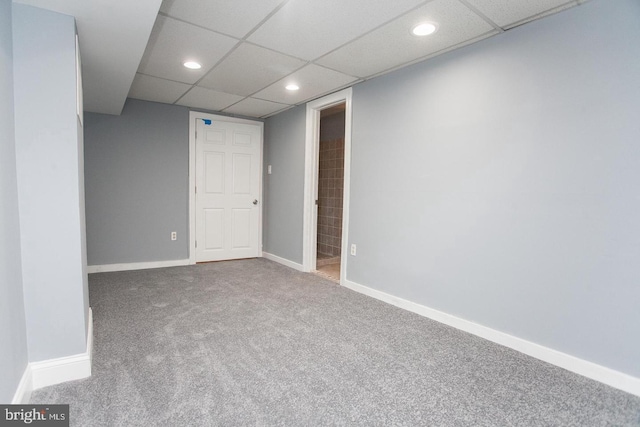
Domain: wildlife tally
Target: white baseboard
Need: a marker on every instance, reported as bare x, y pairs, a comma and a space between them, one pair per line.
283, 261
25, 387
136, 266
89, 350
63, 369
582, 367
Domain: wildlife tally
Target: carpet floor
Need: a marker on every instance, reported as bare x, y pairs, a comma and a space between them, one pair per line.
254, 343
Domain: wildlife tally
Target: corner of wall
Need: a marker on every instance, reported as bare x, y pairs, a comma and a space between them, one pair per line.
63, 369
25, 388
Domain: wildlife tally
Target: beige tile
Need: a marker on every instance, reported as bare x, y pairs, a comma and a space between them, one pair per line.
330, 271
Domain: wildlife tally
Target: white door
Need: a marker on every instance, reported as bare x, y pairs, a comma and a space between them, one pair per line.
228, 205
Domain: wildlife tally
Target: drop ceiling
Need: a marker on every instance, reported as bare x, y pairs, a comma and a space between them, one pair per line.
113, 35
251, 49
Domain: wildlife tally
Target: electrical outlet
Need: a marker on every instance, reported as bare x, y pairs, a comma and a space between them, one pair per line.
174, 235
353, 249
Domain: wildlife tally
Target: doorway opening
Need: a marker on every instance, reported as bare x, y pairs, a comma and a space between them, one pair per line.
311, 185
311, 244
330, 191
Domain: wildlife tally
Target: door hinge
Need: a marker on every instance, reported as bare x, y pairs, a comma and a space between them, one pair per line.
196, 243
196, 189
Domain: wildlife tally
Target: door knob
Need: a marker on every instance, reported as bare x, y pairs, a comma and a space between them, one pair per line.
255, 201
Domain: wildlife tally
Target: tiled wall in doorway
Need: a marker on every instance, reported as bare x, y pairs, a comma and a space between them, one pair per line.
330, 190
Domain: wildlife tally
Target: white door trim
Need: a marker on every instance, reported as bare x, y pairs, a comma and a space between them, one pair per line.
193, 116
312, 146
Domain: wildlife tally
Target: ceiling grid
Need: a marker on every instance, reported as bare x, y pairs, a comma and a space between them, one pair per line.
251, 49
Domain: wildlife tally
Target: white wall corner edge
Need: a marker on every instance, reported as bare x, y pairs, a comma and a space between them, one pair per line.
283, 261
105, 268
63, 369
573, 364
25, 388
55, 371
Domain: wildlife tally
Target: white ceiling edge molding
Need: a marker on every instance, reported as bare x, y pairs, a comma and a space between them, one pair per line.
113, 35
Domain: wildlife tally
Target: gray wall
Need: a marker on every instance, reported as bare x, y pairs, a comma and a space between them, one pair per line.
49, 160
284, 188
137, 168
13, 351
499, 183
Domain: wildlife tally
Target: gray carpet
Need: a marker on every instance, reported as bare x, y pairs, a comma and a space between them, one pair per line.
254, 343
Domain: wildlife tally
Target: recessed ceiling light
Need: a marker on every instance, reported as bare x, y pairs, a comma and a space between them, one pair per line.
192, 65
292, 87
424, 29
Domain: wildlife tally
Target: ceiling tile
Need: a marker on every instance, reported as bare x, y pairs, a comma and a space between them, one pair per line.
235, 18
173, 42
248, 69
155, 89
505, 13
308, 29
208, 99
393, 44
255, 107
313, 80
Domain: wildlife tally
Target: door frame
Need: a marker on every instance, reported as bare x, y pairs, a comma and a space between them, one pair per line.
312, 153
193, 116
